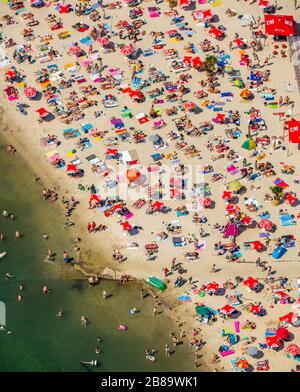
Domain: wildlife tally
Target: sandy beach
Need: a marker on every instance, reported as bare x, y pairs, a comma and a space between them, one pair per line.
26, 132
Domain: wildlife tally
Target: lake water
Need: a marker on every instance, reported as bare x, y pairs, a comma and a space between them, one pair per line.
40, 341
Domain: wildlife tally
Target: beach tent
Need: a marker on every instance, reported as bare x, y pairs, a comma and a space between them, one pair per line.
279, 25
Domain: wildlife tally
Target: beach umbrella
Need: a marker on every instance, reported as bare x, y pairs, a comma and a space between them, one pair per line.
232, 230
293, 350
255, 309
157, 205
246, 94
251, 282
252, 351
10, 74
282, 333
127, 50
212, 286
242, 364
41, 112
226, 195
228, 69
126, 226
75, 49
238, 83
266, 224
133, 174
30, 92
227, 309
104, 40
234, 185
215, 32
273, 341
249, 144
71, 168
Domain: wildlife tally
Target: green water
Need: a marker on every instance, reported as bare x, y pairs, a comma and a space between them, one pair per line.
40, 341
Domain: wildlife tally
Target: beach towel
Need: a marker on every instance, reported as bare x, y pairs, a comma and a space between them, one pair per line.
237, 326
86, 41
226, 353
86, 127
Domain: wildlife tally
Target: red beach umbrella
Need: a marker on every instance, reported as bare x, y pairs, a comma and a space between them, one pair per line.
127, 50
266, 224
273, 341
104, 40
293, 350
282, 333
251, 282
126, 226
30, 92
41, 112
227, 309
287, 317
71, 168
212, 286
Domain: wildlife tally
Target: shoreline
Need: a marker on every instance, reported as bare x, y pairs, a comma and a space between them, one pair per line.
108, 271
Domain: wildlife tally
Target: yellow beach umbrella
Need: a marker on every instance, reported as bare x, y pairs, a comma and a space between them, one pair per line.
234, 185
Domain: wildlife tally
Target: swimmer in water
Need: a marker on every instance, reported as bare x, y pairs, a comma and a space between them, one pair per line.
83, 320
19, 297
99, 339
1, 236
8, 276
45, 236
98, 350
45, 290
21, 287
18, 235
59, 314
